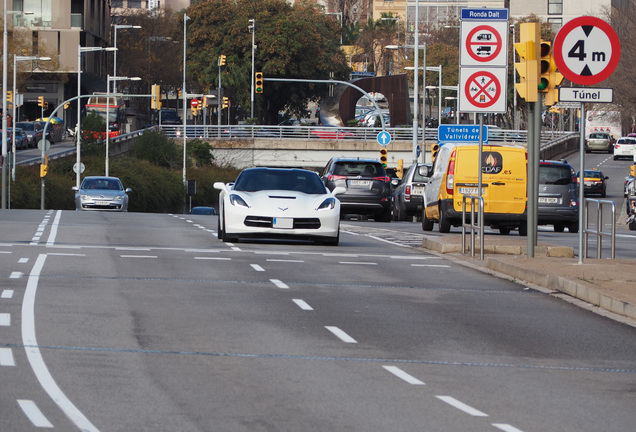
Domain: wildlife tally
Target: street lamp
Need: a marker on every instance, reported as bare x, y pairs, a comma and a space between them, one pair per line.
16, 59
115, 28
252, 29
114, 80
78, 164
185, 99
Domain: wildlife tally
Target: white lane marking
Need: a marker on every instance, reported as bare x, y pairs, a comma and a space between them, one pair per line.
7, 294
285, 260
65, 254
139, 256
387, 241
6, 357
506, 427
462, 406
403, 375
6, 252
430, 265
34, 414
279, 284
16, 275
5, 319
40, 229
133, 249
23, 260
53, 233
236, 248
35, 356
213, 258
303, 304
357, 263
257, 267
341, 335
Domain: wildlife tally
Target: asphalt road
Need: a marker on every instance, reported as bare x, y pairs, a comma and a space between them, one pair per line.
147, 322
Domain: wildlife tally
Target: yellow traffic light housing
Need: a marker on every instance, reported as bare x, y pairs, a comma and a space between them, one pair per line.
67, 105
41, 101
384, 157
155, 100
400, 168
434, 151
222, 60
258, 81
44, 168
226, 102
528, 65
546, 54
10, 96
551, 78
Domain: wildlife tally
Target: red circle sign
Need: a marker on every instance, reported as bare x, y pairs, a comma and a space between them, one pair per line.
482, 89
586, 50
483, 43
194, 103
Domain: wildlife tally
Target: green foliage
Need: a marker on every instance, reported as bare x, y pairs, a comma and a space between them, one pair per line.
92, 124
158, 149
200, 152
353, 123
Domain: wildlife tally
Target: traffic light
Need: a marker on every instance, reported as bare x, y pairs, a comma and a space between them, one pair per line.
226, 102
41, 101
400, 168
258, 77
434, 151
204, 102
528, 66
195, 111
222, 60
155, 100
551, 78
384, 157
67, 105
44, 168
10, 96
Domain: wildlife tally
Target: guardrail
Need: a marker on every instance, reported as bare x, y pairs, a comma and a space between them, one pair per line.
598, 232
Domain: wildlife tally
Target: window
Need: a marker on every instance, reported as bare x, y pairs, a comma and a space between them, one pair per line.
555, 7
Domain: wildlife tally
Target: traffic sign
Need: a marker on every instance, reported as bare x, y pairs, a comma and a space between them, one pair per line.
586, 94
82, 167
484, 43
44, 145
460, 133
194, 103
384, 138
586, 50
482, 90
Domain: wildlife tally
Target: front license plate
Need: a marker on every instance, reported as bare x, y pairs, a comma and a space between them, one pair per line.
588, 183
548, 200
283, 223
102, 203
468, 191
359, 182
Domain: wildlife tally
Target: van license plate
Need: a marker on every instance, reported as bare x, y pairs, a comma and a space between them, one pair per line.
548, 200
284, 223
468, 190
418, 190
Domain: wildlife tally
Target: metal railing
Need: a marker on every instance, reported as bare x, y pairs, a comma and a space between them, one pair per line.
472, 225
599, 226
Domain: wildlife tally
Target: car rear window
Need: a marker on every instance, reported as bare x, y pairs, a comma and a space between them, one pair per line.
555, 175
362, 169
593, 174
599, 135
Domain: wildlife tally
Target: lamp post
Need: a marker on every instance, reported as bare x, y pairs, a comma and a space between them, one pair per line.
5, 49
114, 80
115, 28
78, 163
16, 59
252, 29
514, 93
185, 99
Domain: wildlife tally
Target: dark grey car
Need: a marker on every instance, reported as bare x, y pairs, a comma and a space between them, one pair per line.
407, 196
558, 201
367, 183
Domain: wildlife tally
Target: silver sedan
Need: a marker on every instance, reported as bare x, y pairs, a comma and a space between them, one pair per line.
101, 193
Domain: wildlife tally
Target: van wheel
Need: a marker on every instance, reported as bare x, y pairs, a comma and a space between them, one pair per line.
427, 224
444, 223
559, 227
504, 230
523, 229
573, 227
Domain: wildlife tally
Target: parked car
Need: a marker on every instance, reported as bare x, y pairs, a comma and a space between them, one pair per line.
625, 147
598, 141
170, 117
101, 193
203, 210
558, 203
21, 138
278, 202
407, 195
368, 187
51, 131
593, 182
33, 130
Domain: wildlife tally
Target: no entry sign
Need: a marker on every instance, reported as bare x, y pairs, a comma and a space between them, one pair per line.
484, 44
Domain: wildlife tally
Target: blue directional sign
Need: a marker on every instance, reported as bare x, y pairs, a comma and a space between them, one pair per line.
384, 138
485, 14
460, 133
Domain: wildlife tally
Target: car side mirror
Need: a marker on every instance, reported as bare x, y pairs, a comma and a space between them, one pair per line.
338, 190
395, 182
128, 190
75, 188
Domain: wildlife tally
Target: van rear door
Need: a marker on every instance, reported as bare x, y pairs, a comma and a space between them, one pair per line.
503, 178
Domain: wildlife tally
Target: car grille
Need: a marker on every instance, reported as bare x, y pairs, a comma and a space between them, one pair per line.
268, 222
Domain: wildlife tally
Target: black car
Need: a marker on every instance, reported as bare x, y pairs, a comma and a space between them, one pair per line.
368, 186
558, 202
407, 196
170, 117
594, 183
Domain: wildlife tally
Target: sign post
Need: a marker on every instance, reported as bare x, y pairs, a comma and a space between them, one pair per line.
586, 51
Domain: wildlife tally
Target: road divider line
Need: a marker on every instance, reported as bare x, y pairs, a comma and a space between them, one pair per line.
34, 355
357, 263
23, 260
53, 232
341, 335
6, 357
34, 414
506, 427
257, 267
16, 275
139, 256
430, 265
279, 284
303, 304
462, 406
403, 375
213, 258
5, 320
285, 260
7, 294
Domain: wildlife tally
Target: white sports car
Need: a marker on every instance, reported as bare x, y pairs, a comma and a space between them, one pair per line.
278, 202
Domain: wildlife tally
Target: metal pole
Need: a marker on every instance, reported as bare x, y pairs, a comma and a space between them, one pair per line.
439, 96
530, 177
184, 97
78, 133
15, 67
581, 178
535, 167
219, 101
252, 26
416, 73
5, 48
107, 122
423, 148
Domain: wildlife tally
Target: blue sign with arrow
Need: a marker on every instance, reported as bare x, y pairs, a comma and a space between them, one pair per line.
384, 138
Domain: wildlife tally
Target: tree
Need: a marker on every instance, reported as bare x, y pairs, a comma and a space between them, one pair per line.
296, 41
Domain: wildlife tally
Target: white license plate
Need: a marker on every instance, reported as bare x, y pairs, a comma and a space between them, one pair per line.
418, 190
548, 200
359, 182
468, 190
284, 223
102, 203
588, 183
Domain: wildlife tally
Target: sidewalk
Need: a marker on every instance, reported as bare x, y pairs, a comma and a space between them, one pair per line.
603, 283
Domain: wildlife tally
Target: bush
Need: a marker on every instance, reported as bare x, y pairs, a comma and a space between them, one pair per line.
158, 149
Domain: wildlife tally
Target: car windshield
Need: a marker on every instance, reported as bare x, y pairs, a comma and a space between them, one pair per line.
359, 169
270, 179
102, 184
555, 175
27, 126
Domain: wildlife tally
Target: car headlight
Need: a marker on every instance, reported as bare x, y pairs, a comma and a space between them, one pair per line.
118, 198
236, 200
86, 198
328, 204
